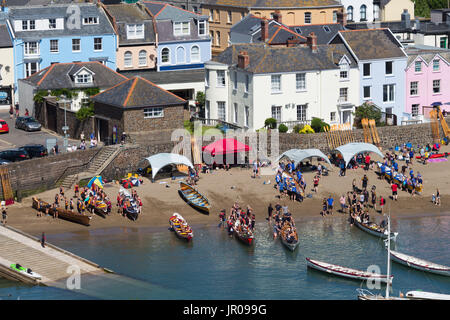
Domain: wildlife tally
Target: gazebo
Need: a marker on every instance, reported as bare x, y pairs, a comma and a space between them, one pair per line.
349, 150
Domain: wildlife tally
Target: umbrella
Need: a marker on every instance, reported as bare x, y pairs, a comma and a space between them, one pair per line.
436, 104
96, 180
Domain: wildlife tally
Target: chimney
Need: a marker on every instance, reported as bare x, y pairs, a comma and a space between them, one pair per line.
277, 16
264, 30
291, 42
417, 24
342, 18
311, 41
243, 60
406, 19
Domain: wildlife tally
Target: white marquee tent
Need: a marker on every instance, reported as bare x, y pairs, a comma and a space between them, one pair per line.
160, 160
298, 155
350, 150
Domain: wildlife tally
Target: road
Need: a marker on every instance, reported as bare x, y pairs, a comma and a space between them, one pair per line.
17, 137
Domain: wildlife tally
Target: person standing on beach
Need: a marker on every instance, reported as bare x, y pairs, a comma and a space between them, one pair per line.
438, 198
4, 214
365, 180
269, 212
330, 201
394, 188
343, 206
43, 240
382, 203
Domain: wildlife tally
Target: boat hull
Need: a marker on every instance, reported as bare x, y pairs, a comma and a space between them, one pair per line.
373, 232
64, 214
404, 260
194, 198
187, 236
290, 246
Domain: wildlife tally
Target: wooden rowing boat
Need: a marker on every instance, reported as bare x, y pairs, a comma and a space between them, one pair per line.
347, 272
181, 228
62, 213
243, 233
374, 229
194, 198
419, 264
100, 207
399, 178
284, 232
130, 206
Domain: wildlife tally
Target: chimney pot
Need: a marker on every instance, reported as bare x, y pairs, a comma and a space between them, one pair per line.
312, 41
277, 16
243, 60
264, 30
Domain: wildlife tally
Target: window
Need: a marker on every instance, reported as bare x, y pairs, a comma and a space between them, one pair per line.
275, 83
30, 68
28, 25
229, 17
207, 109
436, 86
388, 93
97, 44
443, 42
195, 53
343, 94
362, 13
418, 66
142, 58
350, 13
247, 115
388, 67
76, 44
276, 113
218, 38
90, 20
366, 92
155, 112
301, 112
180, 55
165, 55
334, 16
207, 78
235, 80
415, 110
436, 65
217, 16
54, 46
24, 24
195, 9
83, 78
202, 28
414, 88
221, 78
376, 11
211, 35
242, 15
300, 81
221, 110
366, 69
31, 48
52, 23
135, 31
344, 68
307, 17
333, 116
211, 15
181, 28
32, 24
247, 83
235, 119
128, 59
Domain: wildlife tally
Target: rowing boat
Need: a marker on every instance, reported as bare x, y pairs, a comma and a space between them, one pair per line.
284, 232
419, 264
423, 295
129, 205
374, 229
243, 233
347, 272
398, 178
62, 213
194, 198
100, 206
181, 228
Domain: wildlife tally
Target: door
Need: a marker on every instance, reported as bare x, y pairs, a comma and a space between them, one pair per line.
51, 117
103, 131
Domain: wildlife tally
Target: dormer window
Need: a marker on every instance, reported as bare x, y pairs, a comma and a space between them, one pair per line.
28, 25
90, 20
83, 78
202, 28
52, 23
135, 31
181, 28
344, 67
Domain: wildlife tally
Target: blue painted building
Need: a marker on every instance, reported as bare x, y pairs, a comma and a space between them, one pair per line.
382, 63
60, 33
183, 37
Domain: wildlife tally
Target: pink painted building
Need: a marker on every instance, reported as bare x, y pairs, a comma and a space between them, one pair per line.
427, 81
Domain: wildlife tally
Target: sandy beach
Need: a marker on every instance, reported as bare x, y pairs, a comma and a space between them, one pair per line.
223, 188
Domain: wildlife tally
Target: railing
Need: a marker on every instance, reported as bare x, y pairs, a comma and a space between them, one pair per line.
293, 123
215, 122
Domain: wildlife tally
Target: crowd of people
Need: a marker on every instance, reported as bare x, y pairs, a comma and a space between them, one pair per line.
243, 220
124, 202
282, 221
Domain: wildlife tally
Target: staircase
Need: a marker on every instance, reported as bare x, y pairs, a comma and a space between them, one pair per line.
95, 167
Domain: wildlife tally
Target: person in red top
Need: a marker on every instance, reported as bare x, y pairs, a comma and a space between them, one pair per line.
382, 202
367, 161
394, 188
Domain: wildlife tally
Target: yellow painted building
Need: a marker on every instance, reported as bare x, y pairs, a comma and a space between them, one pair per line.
392, 10
225, 13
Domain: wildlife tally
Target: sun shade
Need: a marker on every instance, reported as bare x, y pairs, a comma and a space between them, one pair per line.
160, 160
225, 146
350, 150
298, 155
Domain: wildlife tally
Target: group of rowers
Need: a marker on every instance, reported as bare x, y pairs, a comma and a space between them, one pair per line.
123, 202
290, 182
413, 181
243, 220
282, 222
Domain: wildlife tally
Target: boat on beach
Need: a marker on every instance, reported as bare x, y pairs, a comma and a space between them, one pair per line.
129, 205
62, 213
181, 228
347, 272
398, 178
27, 271
284, 233
100, 207
243, 233
419, 264
374, 229
194, 198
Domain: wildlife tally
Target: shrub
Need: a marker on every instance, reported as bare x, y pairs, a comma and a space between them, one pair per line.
283, 128
297, 128
84, 113
306, 129
318, 125
270, 123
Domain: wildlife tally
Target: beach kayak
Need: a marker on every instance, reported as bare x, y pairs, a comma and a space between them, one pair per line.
27, 271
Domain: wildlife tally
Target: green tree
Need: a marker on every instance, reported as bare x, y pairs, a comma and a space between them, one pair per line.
422, 8
368, 111
270, 123
318, 125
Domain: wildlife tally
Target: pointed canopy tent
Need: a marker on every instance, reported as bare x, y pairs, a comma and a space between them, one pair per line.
298, 155
225, 146
160, 160
349, 150
95, 180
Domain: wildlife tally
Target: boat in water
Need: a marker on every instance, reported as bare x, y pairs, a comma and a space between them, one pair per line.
347, 272
68, 215
290, 241
419, 264
129, 205
30, 273
423, 295
374, 229
181, 228
194, 198
244, 233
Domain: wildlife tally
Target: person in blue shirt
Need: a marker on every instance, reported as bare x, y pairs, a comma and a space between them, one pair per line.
395, 166
299, 175
411, 173
330, 201
382, 171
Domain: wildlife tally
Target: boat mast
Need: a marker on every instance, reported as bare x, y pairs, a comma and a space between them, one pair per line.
388, 255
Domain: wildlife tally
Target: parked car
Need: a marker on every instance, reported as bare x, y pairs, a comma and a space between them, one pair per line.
28, 124
35, 150
4, 128
3, 161
14, 155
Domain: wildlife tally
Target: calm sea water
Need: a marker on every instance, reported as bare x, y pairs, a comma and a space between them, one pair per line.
157, 265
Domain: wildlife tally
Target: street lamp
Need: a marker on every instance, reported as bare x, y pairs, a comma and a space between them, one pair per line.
65, 128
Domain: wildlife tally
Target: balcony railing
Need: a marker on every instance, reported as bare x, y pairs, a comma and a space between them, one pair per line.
293, 123
215, 122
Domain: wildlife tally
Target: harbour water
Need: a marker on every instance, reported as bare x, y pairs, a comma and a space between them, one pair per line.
153, 264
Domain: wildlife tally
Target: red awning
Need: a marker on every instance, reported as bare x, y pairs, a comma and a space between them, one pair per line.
225, 146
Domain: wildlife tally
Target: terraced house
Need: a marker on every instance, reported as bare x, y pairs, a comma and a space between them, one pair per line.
248, 83
223, 14
47, 34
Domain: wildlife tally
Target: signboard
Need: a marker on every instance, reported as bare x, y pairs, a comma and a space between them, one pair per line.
50, 142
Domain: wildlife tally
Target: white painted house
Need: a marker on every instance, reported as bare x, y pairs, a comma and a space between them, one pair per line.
249, 83
361, 10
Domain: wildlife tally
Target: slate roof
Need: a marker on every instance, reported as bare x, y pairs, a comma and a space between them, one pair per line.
427, 54
425, 26
372, 44
324, 32
58, 76
59, 11
167, 77
269, 59
165, 11
5, 38
124, 14
137, 92
274, 3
